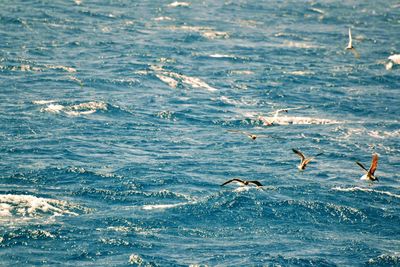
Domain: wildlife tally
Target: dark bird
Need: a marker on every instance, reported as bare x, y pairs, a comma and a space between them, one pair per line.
303, 160
249, 135
243, 182
351, 47
370, 175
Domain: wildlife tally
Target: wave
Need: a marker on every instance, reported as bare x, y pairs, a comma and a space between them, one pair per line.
179, 4
173, 79
206, 32
385, 260
85, 108
29, 206
163, 206
286, 120
362, 189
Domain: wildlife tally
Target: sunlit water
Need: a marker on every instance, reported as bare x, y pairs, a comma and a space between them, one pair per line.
114, 142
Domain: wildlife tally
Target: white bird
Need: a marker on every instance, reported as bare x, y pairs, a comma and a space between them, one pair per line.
351, 47
303, 160
393, 59
370, 175
249, 135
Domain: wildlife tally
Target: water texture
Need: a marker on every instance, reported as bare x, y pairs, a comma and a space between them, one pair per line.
114, 122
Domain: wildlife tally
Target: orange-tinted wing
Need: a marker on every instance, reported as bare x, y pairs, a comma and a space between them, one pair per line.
298, 153
374, 164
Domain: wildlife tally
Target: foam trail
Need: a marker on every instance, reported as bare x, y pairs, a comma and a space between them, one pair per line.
31, 206
285, 120
369, 190
163, 206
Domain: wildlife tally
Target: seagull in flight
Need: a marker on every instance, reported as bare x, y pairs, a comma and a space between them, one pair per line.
243, 182
370, 175
249, 135
303, 160
351, 47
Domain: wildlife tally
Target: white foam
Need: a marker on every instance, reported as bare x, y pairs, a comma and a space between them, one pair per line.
172, 78
179, 4
32, 206
206, 32
78, 113
163, 19
242, 72
215, 34
298, 45
90, 106
60, 67
43, 102
196, 83
162, 206
369, 190
168, 80
76, 110
135, 259
286, 120
301, 73
222, 56
53, 108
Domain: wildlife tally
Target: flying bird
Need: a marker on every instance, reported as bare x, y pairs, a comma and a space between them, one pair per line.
243, 182
370, 175
351, 47
303, 160
249, 135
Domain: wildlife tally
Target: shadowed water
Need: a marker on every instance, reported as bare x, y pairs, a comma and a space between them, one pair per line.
114, 122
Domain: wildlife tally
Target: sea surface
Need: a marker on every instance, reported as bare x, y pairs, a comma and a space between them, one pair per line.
119, 121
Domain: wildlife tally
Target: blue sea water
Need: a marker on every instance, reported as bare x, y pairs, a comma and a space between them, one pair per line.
114, 133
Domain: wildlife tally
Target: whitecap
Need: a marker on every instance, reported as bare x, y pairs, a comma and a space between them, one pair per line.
241, 72
163, 18
172, 78
60, 67
168, 80
286, 120
298, 45
222, 56
43, 102
362, 189
32, 206
90, 106
53, 108
179, 4
301, 73
162, 206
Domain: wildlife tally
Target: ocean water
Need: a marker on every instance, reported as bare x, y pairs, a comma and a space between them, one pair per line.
114, 122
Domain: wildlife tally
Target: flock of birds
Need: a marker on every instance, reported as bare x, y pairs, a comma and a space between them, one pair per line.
304, 161
370, 173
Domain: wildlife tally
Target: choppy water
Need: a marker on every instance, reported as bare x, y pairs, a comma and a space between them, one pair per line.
114, 119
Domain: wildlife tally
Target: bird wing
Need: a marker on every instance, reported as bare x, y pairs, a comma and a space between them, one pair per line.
362, 166
232, 180
299, 154
263, 135
350, 45
355, 53
374, 164
256, 183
